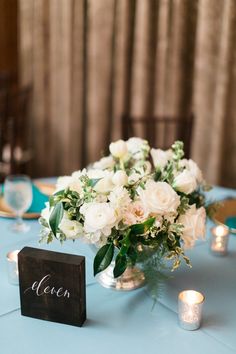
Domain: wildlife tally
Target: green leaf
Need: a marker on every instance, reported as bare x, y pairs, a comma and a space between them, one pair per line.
93, 181
125, 244
140, 229
55, 217
53, 199
103, 258
120, 266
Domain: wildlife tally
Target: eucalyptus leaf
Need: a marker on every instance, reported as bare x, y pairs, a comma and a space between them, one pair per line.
55, 217
103, 258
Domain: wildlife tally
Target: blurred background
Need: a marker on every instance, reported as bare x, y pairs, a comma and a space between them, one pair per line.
76, 74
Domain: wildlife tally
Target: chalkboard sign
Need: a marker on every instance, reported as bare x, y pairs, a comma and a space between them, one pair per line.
52, 286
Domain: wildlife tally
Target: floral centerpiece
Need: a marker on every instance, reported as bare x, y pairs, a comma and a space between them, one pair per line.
138, 205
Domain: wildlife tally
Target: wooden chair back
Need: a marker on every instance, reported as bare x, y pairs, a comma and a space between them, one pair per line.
160, 131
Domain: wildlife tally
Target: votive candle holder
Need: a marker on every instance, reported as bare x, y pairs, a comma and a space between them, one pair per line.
190, 304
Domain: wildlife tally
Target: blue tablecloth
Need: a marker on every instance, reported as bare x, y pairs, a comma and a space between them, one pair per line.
126, 322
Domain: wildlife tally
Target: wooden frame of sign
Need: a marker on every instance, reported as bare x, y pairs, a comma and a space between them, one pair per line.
52, 286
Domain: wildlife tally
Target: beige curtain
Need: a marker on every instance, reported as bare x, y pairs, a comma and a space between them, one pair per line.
89, 61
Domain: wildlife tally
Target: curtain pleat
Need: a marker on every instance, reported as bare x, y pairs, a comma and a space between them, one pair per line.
89, 61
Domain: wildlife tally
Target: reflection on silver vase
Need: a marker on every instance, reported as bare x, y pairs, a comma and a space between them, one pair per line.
131, 279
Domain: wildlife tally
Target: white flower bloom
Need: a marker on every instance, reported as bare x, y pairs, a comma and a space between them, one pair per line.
104, 163
98, 218
136, 213
45, 213
120, 201
160, 157
118, 149
159, 198
138, 148
71, 228
185, 182
120, 178
72, 182
105, 184
194, 221
193, 168
143, 167
134, 177
63, 182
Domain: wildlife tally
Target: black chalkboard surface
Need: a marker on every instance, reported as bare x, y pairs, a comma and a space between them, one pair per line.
52, 286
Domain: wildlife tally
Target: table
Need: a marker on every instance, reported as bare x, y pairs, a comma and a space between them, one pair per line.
126, 322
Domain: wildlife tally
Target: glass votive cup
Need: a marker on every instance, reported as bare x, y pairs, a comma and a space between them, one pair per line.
190, 304
219, 240
12, 267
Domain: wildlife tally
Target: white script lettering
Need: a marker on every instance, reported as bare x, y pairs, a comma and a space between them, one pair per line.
40, 288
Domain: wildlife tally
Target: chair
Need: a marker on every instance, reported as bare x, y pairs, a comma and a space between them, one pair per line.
14, 121
160, 131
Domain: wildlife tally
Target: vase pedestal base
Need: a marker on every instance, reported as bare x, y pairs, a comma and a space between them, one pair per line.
131, 279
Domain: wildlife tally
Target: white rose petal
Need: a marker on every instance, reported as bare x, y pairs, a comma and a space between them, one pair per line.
118, 149
159, 198
63, 182
71, 228
99, 217
185, 182
120, 178
160, 157
194, 221
104, 163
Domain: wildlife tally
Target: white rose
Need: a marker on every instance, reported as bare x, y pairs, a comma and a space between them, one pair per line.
71, 228
195, 170
138, 147
194, 221
105, 184
118, 149
98, 217
159, 198
120, 178
104, 163
160, 157
185, 182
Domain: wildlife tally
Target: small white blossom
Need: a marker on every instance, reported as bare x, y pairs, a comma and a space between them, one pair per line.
160, 157
118, 149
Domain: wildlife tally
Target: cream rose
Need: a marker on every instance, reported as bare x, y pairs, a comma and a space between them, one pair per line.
160, 157
118, 149
194, 221
185, 182
98, 217
136, 213
159, 198
120, 178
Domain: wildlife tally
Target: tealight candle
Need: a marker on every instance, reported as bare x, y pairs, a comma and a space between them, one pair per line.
12, 267
219, 240
190, 309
